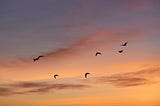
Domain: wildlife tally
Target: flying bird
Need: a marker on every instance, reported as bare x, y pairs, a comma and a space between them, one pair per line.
86, 74
98, 53
37, 58
125, 44
55, 76
120, 51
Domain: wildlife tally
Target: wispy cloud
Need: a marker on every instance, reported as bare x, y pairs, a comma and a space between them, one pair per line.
129, 79
123, 81
139, 5
94, 41
35, 87
141, 77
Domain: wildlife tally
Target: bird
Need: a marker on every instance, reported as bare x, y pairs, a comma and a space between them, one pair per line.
55, 76
98, 53
125, 44
120, 51
86, 74
37, 58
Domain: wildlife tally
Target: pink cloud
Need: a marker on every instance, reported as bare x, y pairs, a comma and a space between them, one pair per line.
93, 41
138, 5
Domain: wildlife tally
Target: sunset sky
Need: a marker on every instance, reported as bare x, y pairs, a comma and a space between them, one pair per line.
68, 33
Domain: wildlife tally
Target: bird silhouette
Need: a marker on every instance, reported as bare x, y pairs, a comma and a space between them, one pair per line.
37, 58
98, 53
55, 76
125, 44
120, 51
86, 74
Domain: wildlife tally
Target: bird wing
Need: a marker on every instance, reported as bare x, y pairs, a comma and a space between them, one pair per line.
55, 76
86, 74
98, 53
40, 56
120, 51
125, 43
35, 59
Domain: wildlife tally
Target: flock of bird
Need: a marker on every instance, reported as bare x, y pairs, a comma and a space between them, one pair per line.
86, 74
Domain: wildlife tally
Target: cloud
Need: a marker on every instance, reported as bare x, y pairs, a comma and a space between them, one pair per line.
60, 52
77, 45
35, 87
139, 5
141, 77
94, 41
5, 91
128, 79
123, 81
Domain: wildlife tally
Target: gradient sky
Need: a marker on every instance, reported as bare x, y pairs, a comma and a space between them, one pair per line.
69, 33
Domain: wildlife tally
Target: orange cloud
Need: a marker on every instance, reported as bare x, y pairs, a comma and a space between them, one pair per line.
35, 87
141, 77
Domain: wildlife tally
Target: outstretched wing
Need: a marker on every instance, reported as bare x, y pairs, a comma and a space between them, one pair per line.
125, 44
40, 56
98, 53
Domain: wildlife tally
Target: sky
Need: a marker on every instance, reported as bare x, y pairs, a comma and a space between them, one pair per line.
68, 33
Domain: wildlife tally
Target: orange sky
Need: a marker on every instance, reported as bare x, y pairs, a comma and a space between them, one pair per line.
68, 34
